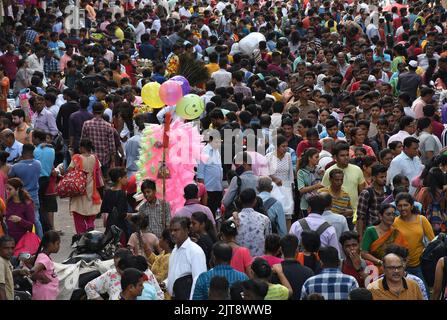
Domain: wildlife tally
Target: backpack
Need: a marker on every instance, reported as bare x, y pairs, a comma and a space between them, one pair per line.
305, 226
267, 205
235, 205
435, 250
321, 229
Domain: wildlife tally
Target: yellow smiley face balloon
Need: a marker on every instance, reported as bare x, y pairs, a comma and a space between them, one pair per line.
150, 95
190, 107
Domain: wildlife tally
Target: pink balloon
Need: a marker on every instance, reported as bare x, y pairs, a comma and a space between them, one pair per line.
170, 92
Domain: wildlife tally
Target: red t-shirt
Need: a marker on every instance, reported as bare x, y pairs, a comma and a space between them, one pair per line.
306, 23
271, 260
241, 259
349, 270
304, 145
397, 22
355, 86
348, 74
437, 129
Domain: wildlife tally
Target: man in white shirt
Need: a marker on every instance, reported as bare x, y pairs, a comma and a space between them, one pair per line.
35, 61
429, 144
372, 31
278, 108
342, 64
222, 77
407, 127
184, 12
187, 258
407, 163
429, 54
140, 29
210, 86
202, 26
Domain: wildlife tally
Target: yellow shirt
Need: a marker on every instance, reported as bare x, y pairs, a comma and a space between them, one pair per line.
353, 177
212, 67
380, 291
277, 95
160, 266
340, 202
119, 34
413, 233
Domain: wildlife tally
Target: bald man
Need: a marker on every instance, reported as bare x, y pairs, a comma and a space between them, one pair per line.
394, 285
12, 146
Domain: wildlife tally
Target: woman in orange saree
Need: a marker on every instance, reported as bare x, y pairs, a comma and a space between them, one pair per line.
377, 238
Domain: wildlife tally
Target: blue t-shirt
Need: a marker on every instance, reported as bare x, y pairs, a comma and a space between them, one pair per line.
92, 100
46, 157
147, 51
29, 172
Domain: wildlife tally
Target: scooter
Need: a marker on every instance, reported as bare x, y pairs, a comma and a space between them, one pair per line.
23, 285
94, 245
90, 246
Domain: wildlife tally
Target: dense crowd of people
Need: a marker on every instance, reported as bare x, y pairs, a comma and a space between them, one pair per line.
339, 110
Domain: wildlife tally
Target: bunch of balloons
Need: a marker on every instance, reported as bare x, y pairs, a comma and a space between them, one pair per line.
174, 92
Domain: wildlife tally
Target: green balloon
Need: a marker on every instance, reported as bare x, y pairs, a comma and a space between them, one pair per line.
190, 107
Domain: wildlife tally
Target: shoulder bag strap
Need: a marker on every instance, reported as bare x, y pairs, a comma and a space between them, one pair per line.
304, 225
322, 228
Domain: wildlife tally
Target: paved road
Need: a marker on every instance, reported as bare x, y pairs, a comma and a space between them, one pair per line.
64, 221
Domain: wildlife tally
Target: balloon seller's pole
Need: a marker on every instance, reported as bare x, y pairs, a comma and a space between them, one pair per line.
163, 165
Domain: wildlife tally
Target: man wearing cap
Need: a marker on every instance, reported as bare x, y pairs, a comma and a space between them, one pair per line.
304, 104
409, 82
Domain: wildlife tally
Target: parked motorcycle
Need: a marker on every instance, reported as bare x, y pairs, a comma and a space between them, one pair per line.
91, 246
94, 245
22, 285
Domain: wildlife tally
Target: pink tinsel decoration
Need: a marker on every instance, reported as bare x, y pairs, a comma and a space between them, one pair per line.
183, 155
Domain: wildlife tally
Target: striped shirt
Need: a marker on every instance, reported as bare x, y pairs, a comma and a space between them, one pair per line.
340, 202
203, 281
331, 283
